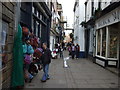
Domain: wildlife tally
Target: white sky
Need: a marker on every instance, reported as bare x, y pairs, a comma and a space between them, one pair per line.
68, 6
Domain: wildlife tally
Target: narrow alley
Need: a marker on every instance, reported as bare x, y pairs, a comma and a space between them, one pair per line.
75, 42
81, 73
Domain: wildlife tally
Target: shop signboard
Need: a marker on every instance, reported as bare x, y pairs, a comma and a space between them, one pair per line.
108, 19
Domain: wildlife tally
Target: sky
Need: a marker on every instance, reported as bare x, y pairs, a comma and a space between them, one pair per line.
68, 6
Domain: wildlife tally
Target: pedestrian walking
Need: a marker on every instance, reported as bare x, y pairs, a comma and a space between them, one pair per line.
63, 46
46, 60
73, 51
77, 48
61, 51
70, 51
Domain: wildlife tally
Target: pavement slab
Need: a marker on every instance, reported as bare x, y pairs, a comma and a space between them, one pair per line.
81, 73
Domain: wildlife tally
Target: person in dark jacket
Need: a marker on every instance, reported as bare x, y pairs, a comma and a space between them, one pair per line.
77, 51
46, 60
73, 51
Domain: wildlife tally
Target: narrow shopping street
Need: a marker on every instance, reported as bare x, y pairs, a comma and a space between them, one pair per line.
81, 73
35, 34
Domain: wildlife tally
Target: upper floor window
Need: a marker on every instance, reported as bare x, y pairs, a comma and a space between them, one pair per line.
33, 9
37, 13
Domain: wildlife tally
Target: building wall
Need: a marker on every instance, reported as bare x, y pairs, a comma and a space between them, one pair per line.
8, 16
53, 24
81, 28
76, 24
108, 48
52, 42
89, 9
100, 42
79, 32
105, 4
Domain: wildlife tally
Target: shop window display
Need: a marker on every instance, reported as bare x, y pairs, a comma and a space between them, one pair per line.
112, 41
113, 46
98, 42
103, 42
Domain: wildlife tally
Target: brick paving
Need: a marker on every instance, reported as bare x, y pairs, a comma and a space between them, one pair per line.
81, 73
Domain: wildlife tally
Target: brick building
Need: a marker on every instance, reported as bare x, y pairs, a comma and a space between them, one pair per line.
34, 15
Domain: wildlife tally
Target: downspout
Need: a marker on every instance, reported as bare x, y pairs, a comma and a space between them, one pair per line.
17, 15
85, 10
85, 29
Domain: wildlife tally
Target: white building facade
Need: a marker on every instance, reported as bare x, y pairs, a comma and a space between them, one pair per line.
102, 27
79, 37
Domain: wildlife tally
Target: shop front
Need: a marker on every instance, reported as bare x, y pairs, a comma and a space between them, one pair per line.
108, 39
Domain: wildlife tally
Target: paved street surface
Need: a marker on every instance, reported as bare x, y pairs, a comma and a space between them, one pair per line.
81, 73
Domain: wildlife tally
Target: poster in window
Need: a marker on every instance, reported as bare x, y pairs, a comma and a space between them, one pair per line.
3, 37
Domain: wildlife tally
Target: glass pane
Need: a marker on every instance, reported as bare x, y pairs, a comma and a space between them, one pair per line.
40, 16
113, 46
37, 14
37, 28
113, 40
40, 30
103, 42
33, 9
98, 42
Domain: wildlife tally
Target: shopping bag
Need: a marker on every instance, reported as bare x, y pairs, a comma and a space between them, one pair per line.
27, 59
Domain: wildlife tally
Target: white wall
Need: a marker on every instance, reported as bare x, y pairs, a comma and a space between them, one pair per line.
91, 40
105, 3
81, 32
79, 16
76, 23
89, 9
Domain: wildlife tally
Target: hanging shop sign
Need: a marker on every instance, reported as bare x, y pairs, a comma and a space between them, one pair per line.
108, 19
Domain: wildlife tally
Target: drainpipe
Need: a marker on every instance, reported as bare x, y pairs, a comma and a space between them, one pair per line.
85, 10
17, 15
85, 29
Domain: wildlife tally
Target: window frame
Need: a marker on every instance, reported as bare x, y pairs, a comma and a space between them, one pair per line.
107, 44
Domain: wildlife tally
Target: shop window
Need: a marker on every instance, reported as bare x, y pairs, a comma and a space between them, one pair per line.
112, 48
40, 16
37, 25
98, 42
34, 24
35, 11
113, 43
3, 49
103, 42
40, 25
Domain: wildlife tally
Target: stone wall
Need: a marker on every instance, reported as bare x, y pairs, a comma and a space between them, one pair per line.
8, 15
